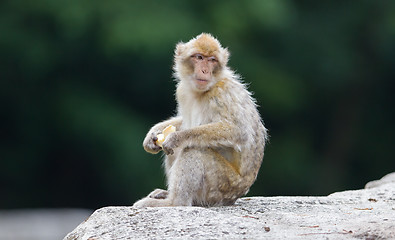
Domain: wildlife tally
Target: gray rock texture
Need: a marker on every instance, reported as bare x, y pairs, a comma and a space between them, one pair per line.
360, 214
389, 178
39, 224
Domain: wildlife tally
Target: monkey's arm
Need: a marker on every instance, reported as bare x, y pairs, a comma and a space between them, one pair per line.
218, 134
149, 143
175, 121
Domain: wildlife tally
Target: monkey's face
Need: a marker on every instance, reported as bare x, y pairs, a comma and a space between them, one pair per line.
200, 62
204, 71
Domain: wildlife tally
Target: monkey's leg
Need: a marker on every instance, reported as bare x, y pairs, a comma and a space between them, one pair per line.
186, 177
184, 180
199, 177
223, 181
204, 177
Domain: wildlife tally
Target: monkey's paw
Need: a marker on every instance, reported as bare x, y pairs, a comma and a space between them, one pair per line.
142, 203
171, 143
162, 136
149, 143
158, 194
151, 202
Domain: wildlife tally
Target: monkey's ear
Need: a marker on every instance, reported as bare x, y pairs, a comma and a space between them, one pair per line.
180, 48
224, 56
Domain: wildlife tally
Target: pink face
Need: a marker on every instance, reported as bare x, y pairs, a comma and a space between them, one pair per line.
204, 68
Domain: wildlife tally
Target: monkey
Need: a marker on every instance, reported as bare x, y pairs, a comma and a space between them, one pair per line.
214, 156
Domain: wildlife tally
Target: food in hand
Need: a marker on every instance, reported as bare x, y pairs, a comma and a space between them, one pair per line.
162, 136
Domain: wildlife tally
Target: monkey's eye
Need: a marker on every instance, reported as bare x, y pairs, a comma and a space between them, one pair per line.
198, 56
212, 59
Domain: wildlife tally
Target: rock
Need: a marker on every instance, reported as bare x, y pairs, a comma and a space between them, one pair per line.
386, 179
39, 224
359, 214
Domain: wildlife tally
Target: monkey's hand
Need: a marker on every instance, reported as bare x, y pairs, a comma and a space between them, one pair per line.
162, 137
149, 143
172, 142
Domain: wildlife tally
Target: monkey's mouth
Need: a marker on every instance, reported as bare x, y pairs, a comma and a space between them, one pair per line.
201, 82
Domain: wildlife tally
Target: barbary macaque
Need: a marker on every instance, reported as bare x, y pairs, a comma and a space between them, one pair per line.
215, 153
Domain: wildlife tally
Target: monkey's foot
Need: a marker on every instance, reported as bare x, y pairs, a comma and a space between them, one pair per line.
158, 194
152, 202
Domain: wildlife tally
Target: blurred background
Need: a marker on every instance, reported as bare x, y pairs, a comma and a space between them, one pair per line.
81, 82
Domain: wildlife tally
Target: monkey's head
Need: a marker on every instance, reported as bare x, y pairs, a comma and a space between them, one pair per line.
200, 62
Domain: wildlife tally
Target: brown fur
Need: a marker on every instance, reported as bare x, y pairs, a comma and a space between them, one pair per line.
206, 45
214, 156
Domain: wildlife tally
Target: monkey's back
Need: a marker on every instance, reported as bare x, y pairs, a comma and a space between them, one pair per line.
242, 110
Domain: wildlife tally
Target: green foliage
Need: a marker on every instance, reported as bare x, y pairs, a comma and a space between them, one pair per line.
81, 82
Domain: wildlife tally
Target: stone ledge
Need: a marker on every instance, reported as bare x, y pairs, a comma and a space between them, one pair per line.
360, 214
39, 224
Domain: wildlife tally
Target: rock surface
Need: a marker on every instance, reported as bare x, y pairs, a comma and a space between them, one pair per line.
39, 224
360, 214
